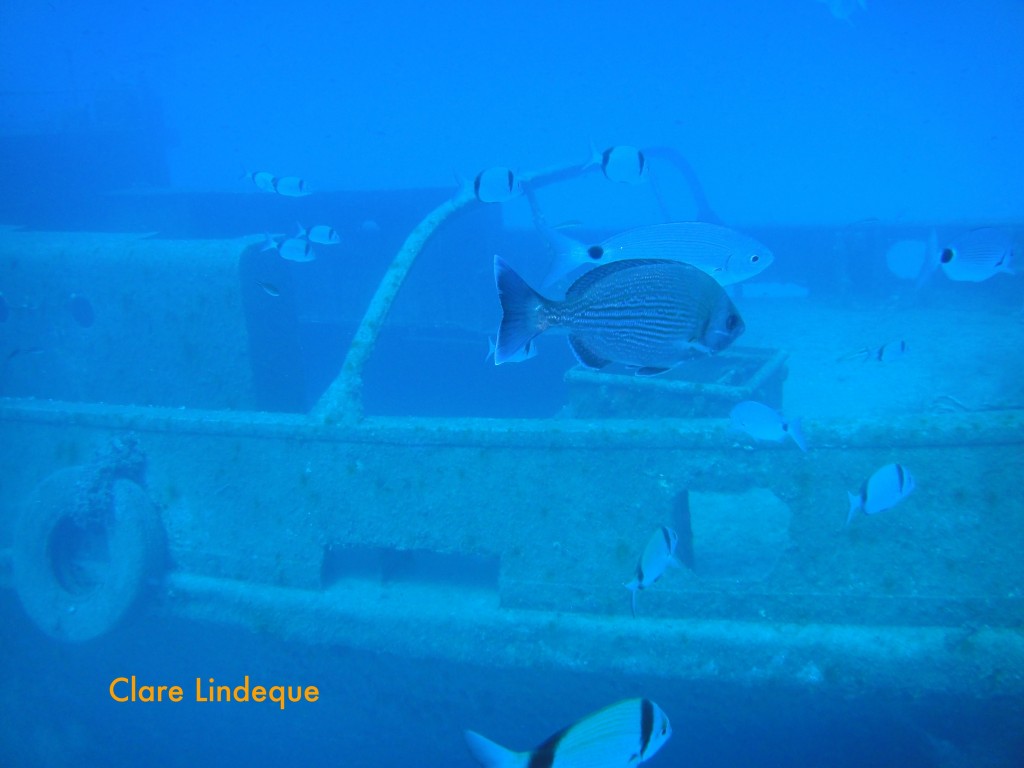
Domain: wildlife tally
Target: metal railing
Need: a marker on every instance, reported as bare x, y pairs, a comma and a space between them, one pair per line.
342, 401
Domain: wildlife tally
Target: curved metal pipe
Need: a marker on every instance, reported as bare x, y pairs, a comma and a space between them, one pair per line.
342, 401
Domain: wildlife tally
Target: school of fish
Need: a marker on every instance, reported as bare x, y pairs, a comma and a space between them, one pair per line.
650, 298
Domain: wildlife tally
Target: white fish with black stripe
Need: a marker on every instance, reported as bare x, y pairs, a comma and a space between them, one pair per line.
496, 185
887, 353
622, 163
291, 186
622, 735
297, 249
886, 488
321, 234
658, 555
725, 254
762, 422
978, 255
264, 181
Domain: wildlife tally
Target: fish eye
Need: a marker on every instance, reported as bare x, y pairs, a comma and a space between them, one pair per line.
947, 255
595, 252
731, 322
754, 259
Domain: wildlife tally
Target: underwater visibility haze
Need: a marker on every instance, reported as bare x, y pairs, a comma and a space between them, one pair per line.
523, 384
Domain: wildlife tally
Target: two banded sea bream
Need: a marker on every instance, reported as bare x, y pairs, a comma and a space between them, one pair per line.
622, 735
727, 255
886, 488
657, 556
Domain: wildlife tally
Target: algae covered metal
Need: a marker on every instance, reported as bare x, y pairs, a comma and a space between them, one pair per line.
505, 541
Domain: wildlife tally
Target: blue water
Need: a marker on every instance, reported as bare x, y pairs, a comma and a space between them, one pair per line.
827, 130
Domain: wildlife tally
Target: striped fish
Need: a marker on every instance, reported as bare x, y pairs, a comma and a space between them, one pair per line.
725, 254
978, 255
762, 422
886, 488
621, 735
291, 186
496, 185
624, 164
658, 555
650, 314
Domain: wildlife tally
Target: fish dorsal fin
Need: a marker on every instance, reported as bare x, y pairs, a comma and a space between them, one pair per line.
585, 355
585, 281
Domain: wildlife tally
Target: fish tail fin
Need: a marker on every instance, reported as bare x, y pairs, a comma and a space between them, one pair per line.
520, 312
269, 243
854, 506
490, 349
1009, 265
634, 588
489, 754
796, 431
303, 232
463, 186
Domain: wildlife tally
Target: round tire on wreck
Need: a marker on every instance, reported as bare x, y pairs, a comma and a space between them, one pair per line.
75, 581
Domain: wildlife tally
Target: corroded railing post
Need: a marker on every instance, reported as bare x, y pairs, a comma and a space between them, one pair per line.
343, 399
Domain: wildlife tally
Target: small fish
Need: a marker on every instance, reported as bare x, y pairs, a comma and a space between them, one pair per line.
321, 234
887, 353
263, 180
81, 310
290, 248
657, 556
906, 258
762, 422
886, 488
269, 288
623, 164
291, 186
296, 249
527, 352
650, 314
622, 735
725, 254
496, 185
978, 255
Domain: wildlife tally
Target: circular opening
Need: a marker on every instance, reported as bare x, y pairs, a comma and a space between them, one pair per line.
79, 556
